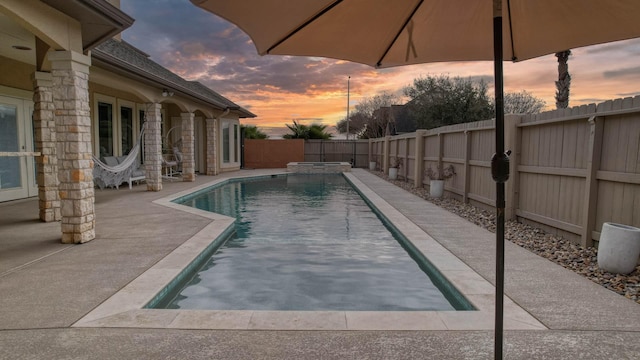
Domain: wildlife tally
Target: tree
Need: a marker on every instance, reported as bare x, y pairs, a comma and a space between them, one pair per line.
317, 131
357, 122
564, 80
522, 103
301, 131
364, 122
441, 100
252, 132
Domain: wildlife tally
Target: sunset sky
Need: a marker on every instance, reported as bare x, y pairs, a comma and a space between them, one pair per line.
279, 89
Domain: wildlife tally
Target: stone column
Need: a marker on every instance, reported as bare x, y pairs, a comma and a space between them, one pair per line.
212, 140
153, 147
70, 71
188, 146
44, 128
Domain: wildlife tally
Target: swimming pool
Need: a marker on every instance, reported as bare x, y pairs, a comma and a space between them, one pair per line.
307, 242
131, 306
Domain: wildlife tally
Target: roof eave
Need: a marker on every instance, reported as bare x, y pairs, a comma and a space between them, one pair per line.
99, 19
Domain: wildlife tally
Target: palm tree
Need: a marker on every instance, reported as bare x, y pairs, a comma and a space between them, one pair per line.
317, 131
298, 131
301, 131
252, 132
564, 80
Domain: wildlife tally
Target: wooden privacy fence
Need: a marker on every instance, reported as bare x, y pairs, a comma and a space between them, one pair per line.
353, 151
272, 154
263, 154
571, 170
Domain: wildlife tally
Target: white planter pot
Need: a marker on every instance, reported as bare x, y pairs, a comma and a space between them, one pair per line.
393, 173
436, 188
619, 248
372, 165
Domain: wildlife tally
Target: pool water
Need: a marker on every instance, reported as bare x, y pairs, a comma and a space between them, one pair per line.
304, 242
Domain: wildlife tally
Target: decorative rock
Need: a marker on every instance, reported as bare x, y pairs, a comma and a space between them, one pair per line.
540, 243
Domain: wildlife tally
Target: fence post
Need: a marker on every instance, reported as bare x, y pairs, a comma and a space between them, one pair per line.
419, 176
406, 159
440, 150
385, 155
512, 142
353, 153
467, 166
596, 127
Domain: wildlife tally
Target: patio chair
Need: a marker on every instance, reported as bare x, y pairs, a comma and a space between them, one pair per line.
170, 164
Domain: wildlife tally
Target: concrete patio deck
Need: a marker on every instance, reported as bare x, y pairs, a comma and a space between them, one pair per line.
48, 287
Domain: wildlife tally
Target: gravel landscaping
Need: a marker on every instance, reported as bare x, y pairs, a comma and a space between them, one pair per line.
555, 248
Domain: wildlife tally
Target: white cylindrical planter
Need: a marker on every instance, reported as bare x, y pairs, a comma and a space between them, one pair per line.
393, 173
372, 165
619, 248
436, 188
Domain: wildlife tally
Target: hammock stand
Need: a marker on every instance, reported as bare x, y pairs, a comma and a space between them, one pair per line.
172, 157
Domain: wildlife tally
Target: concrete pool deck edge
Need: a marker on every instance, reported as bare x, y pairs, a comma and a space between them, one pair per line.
125, 308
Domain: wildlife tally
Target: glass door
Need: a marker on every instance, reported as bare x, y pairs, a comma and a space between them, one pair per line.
17, 173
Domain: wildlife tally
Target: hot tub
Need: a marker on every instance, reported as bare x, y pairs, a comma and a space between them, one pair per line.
319, 167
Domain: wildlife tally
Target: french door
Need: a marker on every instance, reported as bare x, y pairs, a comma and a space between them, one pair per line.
17, 173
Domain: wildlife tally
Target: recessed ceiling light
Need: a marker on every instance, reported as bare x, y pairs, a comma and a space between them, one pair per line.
20, 47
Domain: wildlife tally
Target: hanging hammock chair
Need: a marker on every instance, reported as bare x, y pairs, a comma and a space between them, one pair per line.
112, 176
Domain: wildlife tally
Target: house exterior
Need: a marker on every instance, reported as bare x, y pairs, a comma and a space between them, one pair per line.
396, 119
403, 121
71, 89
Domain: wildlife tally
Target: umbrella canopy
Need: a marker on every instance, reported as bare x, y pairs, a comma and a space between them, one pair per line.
385, 33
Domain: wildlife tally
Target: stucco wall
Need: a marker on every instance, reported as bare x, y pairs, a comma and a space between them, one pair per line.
16, 74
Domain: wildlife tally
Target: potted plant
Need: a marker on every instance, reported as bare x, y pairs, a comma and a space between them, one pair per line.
437, 178
395, 164
618, 248
372, 165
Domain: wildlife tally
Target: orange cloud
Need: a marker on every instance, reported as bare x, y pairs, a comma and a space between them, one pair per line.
281, 88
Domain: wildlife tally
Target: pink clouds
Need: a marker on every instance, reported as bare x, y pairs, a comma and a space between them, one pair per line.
199, 46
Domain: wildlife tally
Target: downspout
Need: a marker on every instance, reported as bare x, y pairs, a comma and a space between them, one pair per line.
224, 113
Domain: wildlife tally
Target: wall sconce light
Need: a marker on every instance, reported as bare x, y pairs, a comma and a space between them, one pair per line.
166, 93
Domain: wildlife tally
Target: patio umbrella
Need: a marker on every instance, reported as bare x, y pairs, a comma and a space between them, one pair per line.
385, 33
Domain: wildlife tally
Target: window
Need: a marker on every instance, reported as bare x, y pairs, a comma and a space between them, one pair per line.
237, 143
105, 129
126, 126
230, 140
142, 119
116, 124
9, 141
226, 142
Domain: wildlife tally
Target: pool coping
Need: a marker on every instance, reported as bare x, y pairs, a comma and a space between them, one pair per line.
125, 309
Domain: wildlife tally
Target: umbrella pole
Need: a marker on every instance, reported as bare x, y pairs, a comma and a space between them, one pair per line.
500, 174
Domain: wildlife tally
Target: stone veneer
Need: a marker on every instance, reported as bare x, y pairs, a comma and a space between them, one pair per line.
318, 167
44, 128
188, 143
212, 132
153, 147
70, 73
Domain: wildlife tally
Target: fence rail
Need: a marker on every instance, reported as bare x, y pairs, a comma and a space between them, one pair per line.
571, 170
355, 152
